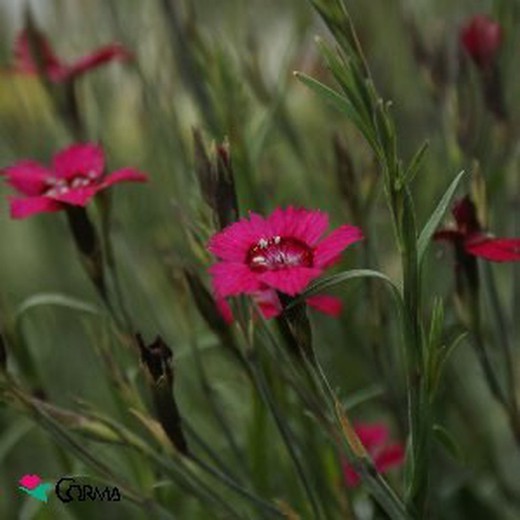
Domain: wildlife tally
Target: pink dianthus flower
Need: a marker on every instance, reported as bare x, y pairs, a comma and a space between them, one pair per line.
281, 253
469, 239
76, 175
54, 68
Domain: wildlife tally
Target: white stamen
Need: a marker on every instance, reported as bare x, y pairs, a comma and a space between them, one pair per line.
277, 240
80, 182
263, 243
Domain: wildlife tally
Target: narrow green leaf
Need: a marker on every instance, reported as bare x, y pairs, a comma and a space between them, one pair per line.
436, 216
56, 299
341, 103
336, 279
328, 95
415, 163
12, 435
436, 323
448, 351
344, 71
362, 396
446, 439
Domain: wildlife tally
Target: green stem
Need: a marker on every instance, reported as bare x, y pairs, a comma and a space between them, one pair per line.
418, 401
501, 326
508, 402
285, 434
214, 406
377, 485
225, 479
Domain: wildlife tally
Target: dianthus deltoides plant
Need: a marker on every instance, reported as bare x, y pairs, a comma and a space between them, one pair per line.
289, 444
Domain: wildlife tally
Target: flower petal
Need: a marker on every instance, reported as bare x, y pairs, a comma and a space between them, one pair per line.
112, 52
234, 241
232, 278
260, 226
328, 250
268, 302
391, 456
76, 196
326, 304
225, 310
26, 207
495, 249
85, 159
24, 61
303, 224
371, 435
28, 177
466, 217
290, 281
124, 175
352, 479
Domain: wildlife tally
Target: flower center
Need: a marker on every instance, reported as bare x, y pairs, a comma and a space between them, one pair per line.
277, 253
59, 186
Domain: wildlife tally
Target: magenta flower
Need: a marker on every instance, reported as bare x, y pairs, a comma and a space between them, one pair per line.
76, 175
481, 38
283, 252
385, 455
30, 481
468, 237
56, 70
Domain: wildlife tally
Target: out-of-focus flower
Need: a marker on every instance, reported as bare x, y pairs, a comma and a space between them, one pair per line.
481, 38
468, 237
283, 252
385, 455
55, 70
76, 175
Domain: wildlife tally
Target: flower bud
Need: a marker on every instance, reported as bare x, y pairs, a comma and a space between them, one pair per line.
481, 38
157, 359
216, 180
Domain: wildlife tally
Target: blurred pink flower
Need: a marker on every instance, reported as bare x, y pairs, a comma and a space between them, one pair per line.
56, 70
77, 174
469, 238
30, 481
385, 455
283, 252
481, 38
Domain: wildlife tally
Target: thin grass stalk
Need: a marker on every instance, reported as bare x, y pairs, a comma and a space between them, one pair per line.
214, 406
503, 336
255, 500
377, 485
492, 380
206, 448
286, 435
